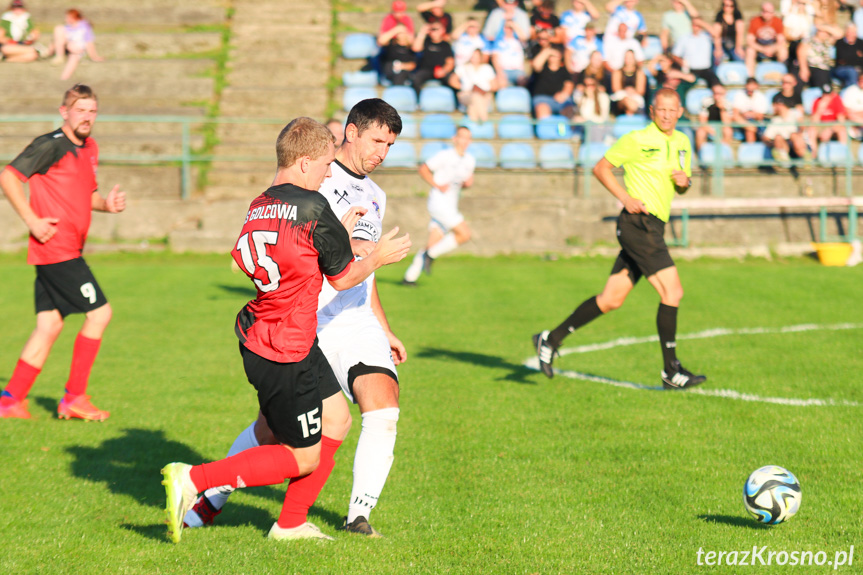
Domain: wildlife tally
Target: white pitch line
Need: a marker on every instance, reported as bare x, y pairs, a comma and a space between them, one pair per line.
533, 363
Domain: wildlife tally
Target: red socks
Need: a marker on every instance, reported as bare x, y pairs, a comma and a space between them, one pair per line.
20, 383
83, 356
265, 465
303, 492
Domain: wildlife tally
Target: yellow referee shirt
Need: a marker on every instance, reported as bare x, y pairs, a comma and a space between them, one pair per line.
649, 156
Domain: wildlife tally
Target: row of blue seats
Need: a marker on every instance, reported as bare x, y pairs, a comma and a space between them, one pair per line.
509, 127
513, 155
511, 100
755, 154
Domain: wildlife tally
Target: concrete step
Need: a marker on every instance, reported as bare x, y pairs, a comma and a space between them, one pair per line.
105, 14
254, 102
120, 45
274, 74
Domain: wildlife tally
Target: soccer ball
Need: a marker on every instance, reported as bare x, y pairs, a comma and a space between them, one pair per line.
772, 494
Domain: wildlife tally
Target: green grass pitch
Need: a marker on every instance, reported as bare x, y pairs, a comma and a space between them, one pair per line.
498, 469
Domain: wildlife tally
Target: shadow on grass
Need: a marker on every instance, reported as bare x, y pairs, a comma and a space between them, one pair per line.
733, 520
49, 404
245, 292
517, 372
129, 465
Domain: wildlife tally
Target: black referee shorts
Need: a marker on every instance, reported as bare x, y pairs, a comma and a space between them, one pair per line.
69, 287
644, 251
291, 394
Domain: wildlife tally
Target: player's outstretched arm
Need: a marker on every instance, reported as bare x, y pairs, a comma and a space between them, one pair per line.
43, 229
388, 250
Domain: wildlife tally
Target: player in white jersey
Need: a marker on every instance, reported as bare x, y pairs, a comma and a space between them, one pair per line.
353, 331
447, 172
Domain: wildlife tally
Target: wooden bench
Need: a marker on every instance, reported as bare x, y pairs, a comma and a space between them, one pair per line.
684, 206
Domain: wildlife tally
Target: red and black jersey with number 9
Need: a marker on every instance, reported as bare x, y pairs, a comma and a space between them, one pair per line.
291, 238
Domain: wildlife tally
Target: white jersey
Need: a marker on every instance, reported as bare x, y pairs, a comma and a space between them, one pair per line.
452, 170
345, 190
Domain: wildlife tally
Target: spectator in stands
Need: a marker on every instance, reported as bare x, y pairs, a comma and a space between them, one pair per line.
857, 18
790, 96
475, 84
398, 59
508, 11
436, 59
849, 57
694, 52
578, 51
668, 74
398, 15
543, 41
713, 111
552, 84
629, 86
72, 41
782, 134
677, 23
18, 38
594, 107
595, 69
828, 109
616, 46
544, 18
507, 56
468, 39
574, 21
624, 12
749, 105
337, 130
765, 39
852, 99
729, 33
798, 21
433, 11
816, 55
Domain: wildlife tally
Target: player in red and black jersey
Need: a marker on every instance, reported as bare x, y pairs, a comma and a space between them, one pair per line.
290, 239
61, 170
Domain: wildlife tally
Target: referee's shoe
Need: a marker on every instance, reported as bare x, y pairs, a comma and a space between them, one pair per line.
678, 377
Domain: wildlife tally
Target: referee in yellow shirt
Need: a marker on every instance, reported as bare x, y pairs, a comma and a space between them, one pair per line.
657, 163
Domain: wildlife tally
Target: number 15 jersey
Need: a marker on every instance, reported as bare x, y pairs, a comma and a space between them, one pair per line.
290, 239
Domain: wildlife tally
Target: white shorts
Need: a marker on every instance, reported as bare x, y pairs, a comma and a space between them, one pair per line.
351, 339
443, 210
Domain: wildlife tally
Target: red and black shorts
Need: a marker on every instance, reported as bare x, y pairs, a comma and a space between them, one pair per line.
291, 394
644, 251
69, 287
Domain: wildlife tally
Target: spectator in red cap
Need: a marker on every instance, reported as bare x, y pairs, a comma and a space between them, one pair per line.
398, 15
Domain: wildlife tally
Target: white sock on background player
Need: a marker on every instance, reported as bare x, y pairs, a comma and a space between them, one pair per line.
447, 244
373, 460
218, 496
416, 268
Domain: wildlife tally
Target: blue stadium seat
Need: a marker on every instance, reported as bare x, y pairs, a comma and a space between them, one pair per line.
437, 127
732, 73
860, 154
429, 149
515, 127
553, 128
410, 127
516, 155
832, 154
479, 130
556, 155
809, 95
354, 95
360, 79
402, 98
437, 99
591, 152
768, 94
484, 154
359, 46
653, 48
707, 155
770, 73
512, 100
752, 155
625, 124
401, 155
694, 99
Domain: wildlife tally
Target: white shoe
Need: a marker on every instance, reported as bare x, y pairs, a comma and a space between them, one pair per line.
181, 493
305, 531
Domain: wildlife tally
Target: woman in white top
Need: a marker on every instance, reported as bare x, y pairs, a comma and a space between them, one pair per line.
476, 83
594, 108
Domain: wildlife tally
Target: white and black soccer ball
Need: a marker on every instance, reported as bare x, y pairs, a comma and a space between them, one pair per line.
772, 494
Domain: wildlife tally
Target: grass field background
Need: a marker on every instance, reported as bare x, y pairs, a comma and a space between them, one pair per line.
498, 470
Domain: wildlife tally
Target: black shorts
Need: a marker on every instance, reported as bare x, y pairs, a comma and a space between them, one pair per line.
642, 239
291, 394
69, 287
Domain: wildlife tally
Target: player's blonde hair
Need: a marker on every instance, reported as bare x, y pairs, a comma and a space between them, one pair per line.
78, 92
302, 137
